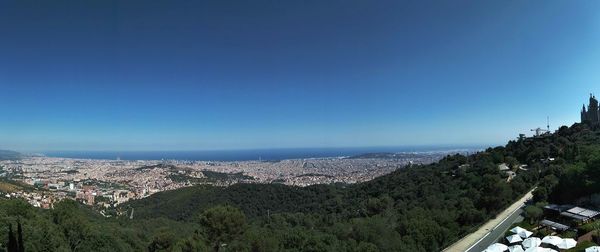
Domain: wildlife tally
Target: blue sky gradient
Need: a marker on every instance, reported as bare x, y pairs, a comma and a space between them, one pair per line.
199, 75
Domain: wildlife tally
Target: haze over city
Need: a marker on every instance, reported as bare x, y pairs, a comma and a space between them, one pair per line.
133, 75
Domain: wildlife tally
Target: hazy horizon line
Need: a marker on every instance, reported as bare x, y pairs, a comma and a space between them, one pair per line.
445, 146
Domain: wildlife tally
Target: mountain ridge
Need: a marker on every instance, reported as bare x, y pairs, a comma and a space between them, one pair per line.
10, 155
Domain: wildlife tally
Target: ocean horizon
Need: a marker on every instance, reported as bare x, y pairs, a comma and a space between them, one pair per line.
251, 154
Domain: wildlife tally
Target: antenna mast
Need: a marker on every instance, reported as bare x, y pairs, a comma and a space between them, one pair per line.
548, 123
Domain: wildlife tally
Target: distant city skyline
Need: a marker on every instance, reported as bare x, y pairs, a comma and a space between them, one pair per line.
180, 75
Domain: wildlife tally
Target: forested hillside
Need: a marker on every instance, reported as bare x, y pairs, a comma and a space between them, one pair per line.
417, 208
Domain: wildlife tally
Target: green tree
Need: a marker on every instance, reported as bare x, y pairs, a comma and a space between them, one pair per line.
511, 161
163, 241
12, 245
366, 247
20, 237
540, 194
533, 213
190, 244
223, 224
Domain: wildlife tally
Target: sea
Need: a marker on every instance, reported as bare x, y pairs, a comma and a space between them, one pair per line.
253, 154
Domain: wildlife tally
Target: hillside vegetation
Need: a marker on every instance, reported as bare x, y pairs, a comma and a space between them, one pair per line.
417, 208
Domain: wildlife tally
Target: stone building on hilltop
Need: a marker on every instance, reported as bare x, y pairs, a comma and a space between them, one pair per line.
592, 114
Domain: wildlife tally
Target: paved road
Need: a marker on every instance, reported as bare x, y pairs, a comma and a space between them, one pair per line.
491, 230
498, 232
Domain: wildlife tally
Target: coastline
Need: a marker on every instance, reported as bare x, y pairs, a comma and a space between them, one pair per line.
252, 155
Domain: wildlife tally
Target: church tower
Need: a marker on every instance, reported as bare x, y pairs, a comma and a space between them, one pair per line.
593, 109
583, 114
592, 115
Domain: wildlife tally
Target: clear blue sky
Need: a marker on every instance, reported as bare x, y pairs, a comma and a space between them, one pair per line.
193, 75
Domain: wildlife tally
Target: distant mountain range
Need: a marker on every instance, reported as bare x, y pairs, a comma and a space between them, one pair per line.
387, 155
402, 155
10, 155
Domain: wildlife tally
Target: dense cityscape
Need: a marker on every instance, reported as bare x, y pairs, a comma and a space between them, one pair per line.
108, 183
